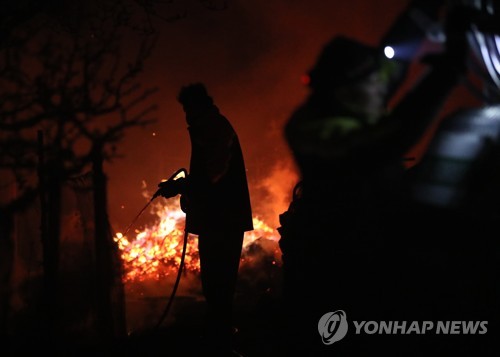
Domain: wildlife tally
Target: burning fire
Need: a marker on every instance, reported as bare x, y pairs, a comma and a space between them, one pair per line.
156, 250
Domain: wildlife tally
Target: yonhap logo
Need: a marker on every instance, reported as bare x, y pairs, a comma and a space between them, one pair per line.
332, 326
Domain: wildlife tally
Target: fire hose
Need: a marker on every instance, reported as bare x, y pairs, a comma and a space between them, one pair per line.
184, 246
177, 280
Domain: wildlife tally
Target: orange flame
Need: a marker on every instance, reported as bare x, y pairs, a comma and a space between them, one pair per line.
156, 251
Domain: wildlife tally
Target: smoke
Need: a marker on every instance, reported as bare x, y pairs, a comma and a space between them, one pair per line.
274, 191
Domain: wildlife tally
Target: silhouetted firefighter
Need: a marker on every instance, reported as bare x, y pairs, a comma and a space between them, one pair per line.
216, 200
342, 242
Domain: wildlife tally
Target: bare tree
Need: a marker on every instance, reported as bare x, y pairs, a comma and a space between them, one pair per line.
67, 98
74, 90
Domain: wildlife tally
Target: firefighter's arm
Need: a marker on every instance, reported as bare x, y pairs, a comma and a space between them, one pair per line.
416, 111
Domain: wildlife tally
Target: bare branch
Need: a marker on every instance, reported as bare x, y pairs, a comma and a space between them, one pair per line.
146, 94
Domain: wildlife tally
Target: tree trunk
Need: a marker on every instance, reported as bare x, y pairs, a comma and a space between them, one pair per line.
110, 301
50, 223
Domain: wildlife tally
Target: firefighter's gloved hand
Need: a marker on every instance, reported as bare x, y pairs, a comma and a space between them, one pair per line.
170, 188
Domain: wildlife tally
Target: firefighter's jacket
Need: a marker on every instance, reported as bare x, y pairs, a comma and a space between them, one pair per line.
216, 195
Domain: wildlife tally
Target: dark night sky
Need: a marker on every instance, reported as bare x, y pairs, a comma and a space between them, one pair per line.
251, 57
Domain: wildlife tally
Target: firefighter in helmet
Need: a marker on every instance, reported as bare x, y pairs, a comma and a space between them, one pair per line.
350, 149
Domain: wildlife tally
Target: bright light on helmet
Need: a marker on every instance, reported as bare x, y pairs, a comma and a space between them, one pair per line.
389, 52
